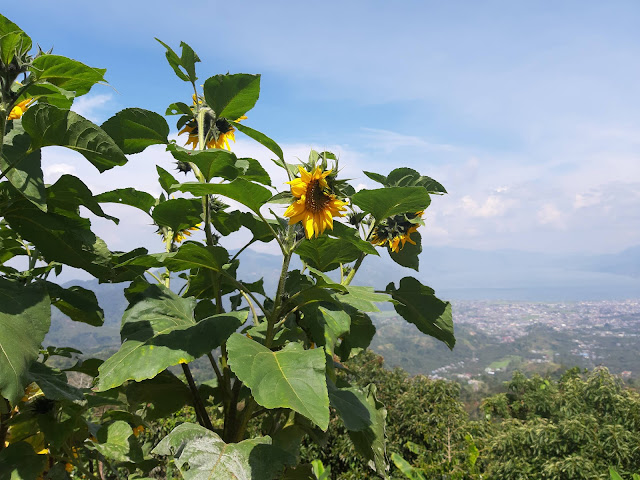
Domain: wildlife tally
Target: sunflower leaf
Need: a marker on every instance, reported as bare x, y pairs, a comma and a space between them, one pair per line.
260, 138
50, 126
212, 162
408, 256
178, 213
231, 96
128, 196
289, 378
134, 129
247, 193
158, 331
201, 454
386, 202
417, 304
66, 73
25, 317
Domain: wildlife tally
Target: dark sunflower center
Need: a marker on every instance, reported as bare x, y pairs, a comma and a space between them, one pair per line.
223, 125
316, 199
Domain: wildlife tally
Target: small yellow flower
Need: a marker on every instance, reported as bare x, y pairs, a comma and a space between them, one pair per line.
396, 231
315, 206
68, 467
138, 430
19, 109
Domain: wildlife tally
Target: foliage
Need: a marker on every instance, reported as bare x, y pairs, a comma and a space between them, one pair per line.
279, 352
574, 428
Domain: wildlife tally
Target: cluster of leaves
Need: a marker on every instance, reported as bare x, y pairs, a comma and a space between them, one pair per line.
581, 426
279, 352
575, 428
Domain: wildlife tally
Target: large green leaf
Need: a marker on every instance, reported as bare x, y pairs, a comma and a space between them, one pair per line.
188, 256
361, 332
362, 298
13, 40
53, 383
252, 170
26, 172
231, 96
128, 196
160, 396
212, 163
417, 304
77, 303
247, 193
260, 138
370, 442
116, 441
134, 129
290, 378
326, 253
352, 235
386, 202
326, 325
66, 73
25, 317
200, 454
47, 93
158, 331
186, 61
18, 461
48, 125
408, 256
69, 193
178, 213
62, 238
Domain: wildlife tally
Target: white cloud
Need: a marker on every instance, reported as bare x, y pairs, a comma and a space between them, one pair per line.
493, 206
53, 172
92, 106
549, 214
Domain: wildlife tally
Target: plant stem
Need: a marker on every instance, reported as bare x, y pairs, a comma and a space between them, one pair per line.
273, 232
256, 320
201, 412
273, 318
251, 242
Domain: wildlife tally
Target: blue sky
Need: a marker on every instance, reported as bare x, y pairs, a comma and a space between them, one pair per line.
528, 112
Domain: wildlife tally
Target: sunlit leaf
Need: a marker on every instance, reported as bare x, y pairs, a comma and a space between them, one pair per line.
158, 331
289, 378
66, 73
385, 202
50, 126
134, 129
247, 193
231, 96
128, 196
201, 454
260, 138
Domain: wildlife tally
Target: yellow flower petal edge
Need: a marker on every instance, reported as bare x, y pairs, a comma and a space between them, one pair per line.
314, 206
397, 236
18, 110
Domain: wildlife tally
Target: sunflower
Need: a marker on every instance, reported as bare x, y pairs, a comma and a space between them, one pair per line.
19, 109
222, 133
396, 231
315, 206
180, 236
